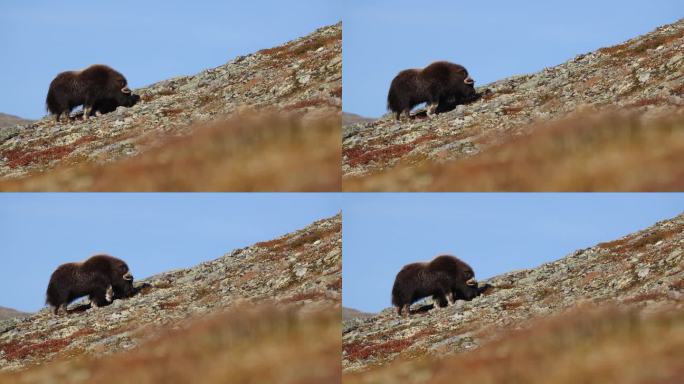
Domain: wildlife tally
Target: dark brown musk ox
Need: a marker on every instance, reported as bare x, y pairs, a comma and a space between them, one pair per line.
446, 278
101, 277
97, 88
442, 85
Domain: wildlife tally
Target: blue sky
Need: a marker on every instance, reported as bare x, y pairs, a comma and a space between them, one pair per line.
147, 41
494, 233
152, 232
492, 39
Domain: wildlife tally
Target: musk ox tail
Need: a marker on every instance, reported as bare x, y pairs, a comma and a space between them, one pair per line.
393, 101
396, 296
51, 104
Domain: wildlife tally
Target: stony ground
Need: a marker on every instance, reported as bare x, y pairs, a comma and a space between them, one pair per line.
300, 272
643, 74
303, 75
644, 270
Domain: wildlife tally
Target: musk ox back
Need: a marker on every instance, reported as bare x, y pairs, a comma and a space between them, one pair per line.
445, 278
442, 85
97, 88
101, 277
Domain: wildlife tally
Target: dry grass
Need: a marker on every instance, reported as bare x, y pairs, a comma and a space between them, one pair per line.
267, 152
294, 243
288, 51
629, 50
632, 244
263, 345
587, 346
606, 152
21, 158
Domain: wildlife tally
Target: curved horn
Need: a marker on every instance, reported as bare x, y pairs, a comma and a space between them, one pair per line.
128, 276
471, 282
126, 90
468, 80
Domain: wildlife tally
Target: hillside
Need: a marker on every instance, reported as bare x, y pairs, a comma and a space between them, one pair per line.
637, 83
10, 121
350, 313
352, 118
9, 313
299, 82
284, 289
642, 273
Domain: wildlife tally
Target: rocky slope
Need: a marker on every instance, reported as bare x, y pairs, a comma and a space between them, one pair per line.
10, 121
352, 118
9, 313
350, 313
299, 272
302, 76
643, 75
644, 271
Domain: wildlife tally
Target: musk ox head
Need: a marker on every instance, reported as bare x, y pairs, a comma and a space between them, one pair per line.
442, 85
110, 105
97, 88
101, 277
445, 278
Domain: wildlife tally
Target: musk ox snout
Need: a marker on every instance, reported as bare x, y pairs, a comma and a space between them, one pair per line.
446, 278
101, 277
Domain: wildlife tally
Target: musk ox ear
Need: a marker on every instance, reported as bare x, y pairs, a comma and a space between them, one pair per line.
128, 276
471, 282
126, 90
469, 80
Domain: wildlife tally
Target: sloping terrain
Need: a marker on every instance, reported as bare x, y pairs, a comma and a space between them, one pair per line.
643, 77
642, 272
584, 346
9, 121
352, 118
350, 313
9, 313
301, 79
270, 290
263, 152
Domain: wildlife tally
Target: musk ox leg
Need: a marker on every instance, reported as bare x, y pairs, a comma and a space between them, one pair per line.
63, 307
441, 300
86, 111
109, 295
451, 298
406, 113
98, 298
58, 117
432, 108
406, 309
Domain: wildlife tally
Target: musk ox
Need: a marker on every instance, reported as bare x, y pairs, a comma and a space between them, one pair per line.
101, 277
445, 278
442, 85
97, 88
